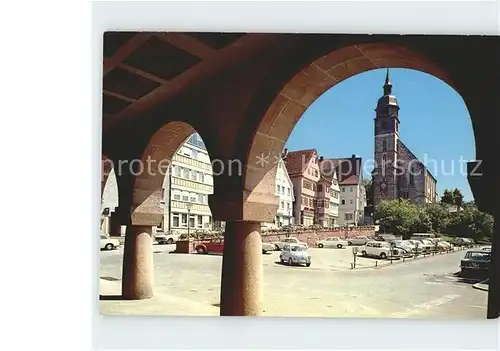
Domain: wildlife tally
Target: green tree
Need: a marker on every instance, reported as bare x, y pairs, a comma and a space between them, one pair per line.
398, 217
471, 223
447, 197
458, 198
437, 216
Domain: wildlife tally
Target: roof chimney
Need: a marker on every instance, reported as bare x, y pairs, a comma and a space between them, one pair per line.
321, 159
353, 156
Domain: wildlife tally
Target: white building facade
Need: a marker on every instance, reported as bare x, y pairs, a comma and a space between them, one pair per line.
352, 204
190, 182
334, 202
284, 190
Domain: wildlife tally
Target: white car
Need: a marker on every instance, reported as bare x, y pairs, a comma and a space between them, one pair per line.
332, 242
295, 254
405, 247
380, 249
166, 239
267, 247
358, 240
109, 244
280, 244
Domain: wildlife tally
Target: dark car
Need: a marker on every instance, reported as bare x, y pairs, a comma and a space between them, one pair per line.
475, 263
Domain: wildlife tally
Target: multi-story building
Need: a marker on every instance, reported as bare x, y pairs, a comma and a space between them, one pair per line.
189, 182
334, 201
284, 191
352, 190
397, 173
312, 188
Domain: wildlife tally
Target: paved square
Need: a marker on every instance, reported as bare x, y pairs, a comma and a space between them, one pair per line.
190, 285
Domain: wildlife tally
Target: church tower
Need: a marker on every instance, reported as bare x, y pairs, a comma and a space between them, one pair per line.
384, 175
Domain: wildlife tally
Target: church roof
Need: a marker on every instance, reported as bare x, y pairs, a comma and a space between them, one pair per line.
416, 158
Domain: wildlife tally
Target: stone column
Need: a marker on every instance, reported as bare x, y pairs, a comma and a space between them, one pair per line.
242, 275
494, 272
138, 268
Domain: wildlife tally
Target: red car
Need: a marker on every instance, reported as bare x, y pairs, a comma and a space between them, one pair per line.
212, 246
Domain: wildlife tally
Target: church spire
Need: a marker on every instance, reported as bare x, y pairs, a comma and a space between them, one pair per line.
388, 84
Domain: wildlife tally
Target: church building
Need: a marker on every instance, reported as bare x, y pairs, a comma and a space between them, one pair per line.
397, 171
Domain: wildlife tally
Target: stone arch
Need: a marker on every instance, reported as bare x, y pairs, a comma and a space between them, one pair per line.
310, 82
150, 172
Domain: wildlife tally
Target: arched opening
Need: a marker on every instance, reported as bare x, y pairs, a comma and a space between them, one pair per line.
306, 85
288, 108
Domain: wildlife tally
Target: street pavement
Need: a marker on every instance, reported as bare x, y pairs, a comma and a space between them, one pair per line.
190, 285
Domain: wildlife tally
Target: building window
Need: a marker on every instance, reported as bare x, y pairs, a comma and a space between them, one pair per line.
343, 202
184, 217
343, 190
350, 189
278, 189
283, 190
411, 179
384, 158
175, 218
200, 221
320, 203
192, 220
185, 173
194, 154
192, 197
315, 203
315, 173
185, 198
178, 171
200, 198
288, 191
288, 205
202, 177
282, 204
350, 202
384, 145
177, 196
320, 187
194, 175
314, 186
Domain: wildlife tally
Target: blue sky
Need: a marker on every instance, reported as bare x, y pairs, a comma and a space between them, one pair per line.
434, 123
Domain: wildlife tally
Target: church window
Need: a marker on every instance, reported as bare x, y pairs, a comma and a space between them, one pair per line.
384, 157
412, 181
384, 145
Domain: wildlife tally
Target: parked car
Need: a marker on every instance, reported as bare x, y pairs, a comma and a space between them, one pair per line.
427, 246
215, 245
332, 242
295, 254
486, 248
267, 247
358, 240
405, 247
164, 239
109, 244
280, 244
445, 245
380, 249
475, 263
416, 249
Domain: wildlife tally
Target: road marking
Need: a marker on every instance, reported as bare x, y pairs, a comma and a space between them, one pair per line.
426, 306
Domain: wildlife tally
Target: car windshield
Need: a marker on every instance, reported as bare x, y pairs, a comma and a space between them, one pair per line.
480, 256
298, 248
104, 237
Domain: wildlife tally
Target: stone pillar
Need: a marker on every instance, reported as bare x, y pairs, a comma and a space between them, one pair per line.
242, 275
494, 274
138, 267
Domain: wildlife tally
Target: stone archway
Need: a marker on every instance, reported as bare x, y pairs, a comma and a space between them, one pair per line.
156, 158
306, 85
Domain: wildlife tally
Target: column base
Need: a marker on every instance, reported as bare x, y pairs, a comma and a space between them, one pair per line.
138, 268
